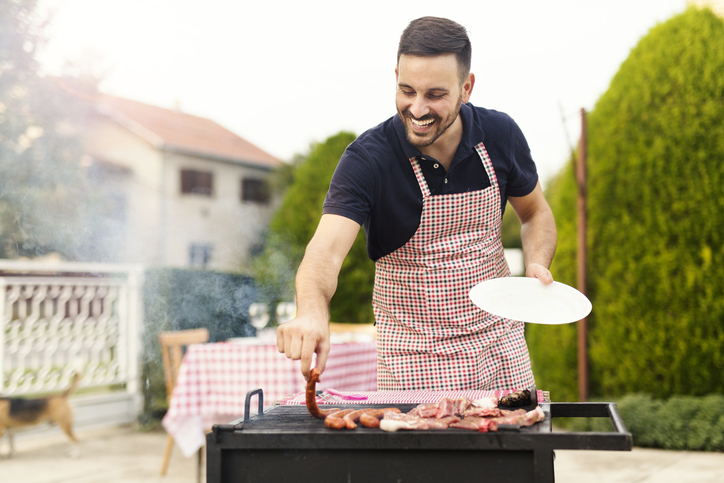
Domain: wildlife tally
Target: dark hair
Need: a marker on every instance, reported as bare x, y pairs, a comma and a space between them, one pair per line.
430, 36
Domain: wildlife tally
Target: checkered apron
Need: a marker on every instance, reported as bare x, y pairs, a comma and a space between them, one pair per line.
430, 335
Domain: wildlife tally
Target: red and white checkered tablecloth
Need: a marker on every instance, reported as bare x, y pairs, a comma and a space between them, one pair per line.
214, 379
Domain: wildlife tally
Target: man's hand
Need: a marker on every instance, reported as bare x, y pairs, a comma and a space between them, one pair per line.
301, 338
536, 270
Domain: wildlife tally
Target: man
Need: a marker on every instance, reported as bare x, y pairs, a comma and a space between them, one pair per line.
429, 185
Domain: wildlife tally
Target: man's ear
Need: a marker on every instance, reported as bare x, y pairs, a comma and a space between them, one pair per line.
468, 85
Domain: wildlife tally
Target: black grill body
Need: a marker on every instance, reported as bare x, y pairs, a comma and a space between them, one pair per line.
286, 444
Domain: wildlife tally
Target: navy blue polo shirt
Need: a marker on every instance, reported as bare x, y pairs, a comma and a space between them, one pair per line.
374, 183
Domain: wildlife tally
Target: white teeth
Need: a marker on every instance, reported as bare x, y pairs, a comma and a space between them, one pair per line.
422, 123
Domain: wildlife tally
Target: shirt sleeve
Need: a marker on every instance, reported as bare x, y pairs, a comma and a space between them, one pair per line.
523, 176
351, 191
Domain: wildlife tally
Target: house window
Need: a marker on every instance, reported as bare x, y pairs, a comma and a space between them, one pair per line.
254, 189
199, 255
197, 182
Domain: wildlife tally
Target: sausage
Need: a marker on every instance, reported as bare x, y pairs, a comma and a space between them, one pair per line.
336, 419
371, 418
350, 418
312, 397
369, 421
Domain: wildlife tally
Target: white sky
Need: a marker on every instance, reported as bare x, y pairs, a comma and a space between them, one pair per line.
288, 73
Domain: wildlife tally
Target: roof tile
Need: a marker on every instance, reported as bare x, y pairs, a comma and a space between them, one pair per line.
178, 131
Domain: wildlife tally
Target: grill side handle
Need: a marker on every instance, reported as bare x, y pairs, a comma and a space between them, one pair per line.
247, 403
237, 425
616, 419
590, 410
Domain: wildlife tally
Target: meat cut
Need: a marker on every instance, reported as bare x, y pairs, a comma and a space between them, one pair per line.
460, 413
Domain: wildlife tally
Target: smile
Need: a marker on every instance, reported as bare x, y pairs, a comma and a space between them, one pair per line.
424, 123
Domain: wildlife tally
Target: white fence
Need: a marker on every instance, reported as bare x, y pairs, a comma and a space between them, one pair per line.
58, 318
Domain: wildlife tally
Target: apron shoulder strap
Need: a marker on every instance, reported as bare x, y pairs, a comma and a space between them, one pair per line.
420, 177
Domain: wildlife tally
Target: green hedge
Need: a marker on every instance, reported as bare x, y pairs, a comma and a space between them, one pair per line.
178, 299
655, 212
679, 423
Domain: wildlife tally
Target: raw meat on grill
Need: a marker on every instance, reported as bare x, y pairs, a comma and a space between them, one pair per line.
449, 407
393, 422
428, 410
481, 419
486, 402
469, 422
480, 415
486, 412
522, 419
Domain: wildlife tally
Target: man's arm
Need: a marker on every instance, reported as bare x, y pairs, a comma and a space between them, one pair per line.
538, 233
316, 283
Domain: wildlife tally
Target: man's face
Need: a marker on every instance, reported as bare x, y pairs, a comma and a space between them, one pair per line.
429, 95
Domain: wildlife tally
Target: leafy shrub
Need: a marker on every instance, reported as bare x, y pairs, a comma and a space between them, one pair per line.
655, 206
640, 413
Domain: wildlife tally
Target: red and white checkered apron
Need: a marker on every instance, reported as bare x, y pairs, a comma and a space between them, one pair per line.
430, 335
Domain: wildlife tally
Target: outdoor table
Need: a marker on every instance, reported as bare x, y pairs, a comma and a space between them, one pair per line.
214, 379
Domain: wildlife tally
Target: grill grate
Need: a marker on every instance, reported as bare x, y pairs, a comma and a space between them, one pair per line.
291, 419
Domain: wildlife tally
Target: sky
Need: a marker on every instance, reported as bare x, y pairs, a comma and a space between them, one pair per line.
284, 75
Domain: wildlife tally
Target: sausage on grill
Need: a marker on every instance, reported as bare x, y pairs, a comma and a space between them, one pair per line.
312, 397
371, 418
336, 419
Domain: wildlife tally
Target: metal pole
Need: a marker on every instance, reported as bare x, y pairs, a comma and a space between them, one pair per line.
582, 326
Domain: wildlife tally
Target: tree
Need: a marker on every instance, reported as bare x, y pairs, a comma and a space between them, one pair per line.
292, 228
656, 247
43, 194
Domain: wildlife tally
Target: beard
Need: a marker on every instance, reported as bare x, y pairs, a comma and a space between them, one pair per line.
439, 126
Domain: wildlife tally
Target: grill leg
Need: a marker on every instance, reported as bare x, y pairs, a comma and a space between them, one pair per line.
213, 459
544, 472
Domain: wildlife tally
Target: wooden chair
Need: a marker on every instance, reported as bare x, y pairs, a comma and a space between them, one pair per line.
172, 351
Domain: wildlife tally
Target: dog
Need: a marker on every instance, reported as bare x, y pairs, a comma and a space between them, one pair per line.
17, 412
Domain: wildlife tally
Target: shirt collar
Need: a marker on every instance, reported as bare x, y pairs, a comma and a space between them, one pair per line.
467, 143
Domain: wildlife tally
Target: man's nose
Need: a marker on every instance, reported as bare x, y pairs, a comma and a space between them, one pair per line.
419, 107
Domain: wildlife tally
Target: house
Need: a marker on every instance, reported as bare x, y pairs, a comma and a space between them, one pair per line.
176, 190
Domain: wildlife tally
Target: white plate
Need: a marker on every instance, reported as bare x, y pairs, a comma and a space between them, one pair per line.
529, 300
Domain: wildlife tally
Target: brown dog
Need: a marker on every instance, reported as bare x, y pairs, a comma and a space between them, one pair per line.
17, 412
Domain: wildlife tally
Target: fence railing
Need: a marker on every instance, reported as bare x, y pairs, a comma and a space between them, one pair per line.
58, 318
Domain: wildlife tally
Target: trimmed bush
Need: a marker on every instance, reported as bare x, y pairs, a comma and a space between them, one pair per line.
640, 413
655, 211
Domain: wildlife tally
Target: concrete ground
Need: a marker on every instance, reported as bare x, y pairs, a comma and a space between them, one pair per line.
126, 455
107, 455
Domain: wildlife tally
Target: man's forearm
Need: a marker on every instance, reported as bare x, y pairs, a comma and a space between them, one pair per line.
539, 238
316, 283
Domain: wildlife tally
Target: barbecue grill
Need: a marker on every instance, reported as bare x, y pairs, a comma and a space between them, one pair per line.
286, 444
